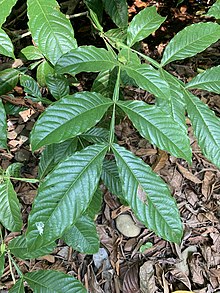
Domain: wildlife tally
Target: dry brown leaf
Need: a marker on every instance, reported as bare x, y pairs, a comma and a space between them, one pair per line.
130, 282
207, 184
188, 175
147, 278
160, 161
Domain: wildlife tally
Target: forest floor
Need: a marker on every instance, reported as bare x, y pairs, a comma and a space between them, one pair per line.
122, 265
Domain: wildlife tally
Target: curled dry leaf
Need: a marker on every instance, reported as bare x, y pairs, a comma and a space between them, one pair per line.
188, 175
147, 279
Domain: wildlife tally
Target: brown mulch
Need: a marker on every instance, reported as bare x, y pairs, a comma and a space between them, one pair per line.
164, 267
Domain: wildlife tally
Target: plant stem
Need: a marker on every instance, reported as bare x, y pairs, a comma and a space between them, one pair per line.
11, 261
152, 61
115, 99
11, 268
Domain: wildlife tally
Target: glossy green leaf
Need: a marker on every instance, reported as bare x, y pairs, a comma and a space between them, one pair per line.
64, 195
82, 236
149, 79
96, 6
127, 57
175, 106
58, 86
209, 80
206, 127
49, 281
18, 287
85, 58
30, 86
96, 135
8, 80
148, 196
110, 177
117, 35
6, 7
10, 213
6, 46
95, 204
55, 153
2, 263
14, 170
32, 53
158, 127
118, 11
50, 29
215, 10
43, 70
3, 127
143, 24
190, 41
18, 247
64, 118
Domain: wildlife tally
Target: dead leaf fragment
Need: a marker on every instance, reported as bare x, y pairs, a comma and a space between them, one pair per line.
188, 175
147, 278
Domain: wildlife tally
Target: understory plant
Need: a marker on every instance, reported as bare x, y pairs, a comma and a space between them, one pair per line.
76, 132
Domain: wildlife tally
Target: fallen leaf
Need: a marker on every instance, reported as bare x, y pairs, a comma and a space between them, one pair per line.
147, 278
188, 175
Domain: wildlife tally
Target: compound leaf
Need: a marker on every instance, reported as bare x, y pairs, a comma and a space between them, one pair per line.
30, 86
143, 24
110, 177
3, 127
149, 79
8, 80
18, 287
158, 127
32, 53
10, 213
82, 236
96, 135
190, 41
85, 58
68, 117
64, 195
18, 247
206, 127
54, 153
6, 46
58, 86
208, 80
148, 196
118, 11
50, 29
6, 7
215, 10
50, 281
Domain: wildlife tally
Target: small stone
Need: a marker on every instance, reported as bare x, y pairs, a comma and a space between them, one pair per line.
22, 155
126, 226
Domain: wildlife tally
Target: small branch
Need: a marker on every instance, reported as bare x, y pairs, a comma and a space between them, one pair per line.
77, 15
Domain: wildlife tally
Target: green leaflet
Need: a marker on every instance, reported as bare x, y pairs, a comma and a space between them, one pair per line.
8, 80
58, 86
50, 29
49, 281
143, 24
85, 58
117, 35
95, 204
190, 41
215, 10
152, 203
110, 177
55, 153
96, 135
43, 70
64, 195
158, 127
30, 86
3, 127
206, 127
18, 287
14, 170
10, 214
96, 6
6, 46
118, 11
208, 80
149, 79
18, 248
6, 7
68, 117
32, 53
82, 236
104, 83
